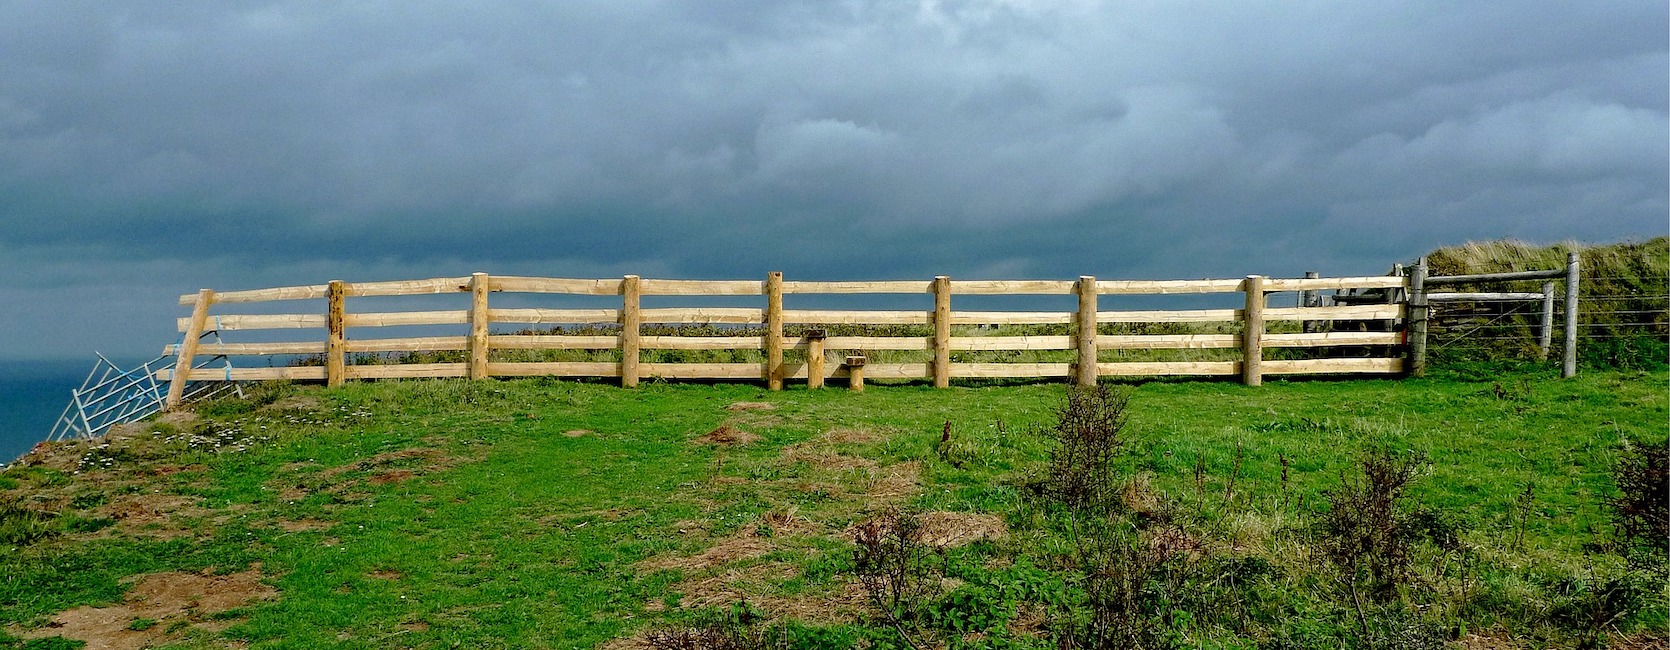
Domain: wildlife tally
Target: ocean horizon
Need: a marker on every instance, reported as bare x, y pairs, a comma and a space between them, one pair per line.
33, 394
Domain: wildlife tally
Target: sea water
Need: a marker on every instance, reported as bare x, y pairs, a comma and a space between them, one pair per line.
32, 395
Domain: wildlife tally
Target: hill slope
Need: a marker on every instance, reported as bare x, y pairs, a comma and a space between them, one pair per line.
542, 513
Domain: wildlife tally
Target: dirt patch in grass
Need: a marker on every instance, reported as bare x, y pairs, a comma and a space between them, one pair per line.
303, 525
745, 544
152, 515
850, 436
576, 433
891, 483
748, 543
737, 407
726, 436
393, 476
950, 529
156, 604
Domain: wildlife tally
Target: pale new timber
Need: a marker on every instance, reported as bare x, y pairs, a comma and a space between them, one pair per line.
559, 316
888, 286
554, 369
396, 318
556, 285
652, 287
550, 342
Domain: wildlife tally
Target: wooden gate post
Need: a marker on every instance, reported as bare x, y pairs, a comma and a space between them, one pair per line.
774, 330
1252, 332
478, 325
336, 361
942, 331
1545, 330
1086, 375
188, 349
1418, 313
1568, 366
630, 323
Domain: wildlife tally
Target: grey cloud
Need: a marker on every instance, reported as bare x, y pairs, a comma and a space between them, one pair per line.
239, 143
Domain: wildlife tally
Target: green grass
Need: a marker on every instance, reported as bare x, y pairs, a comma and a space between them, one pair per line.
456, 513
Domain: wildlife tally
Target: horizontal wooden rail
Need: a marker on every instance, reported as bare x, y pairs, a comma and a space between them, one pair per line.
550, 342
651, 287
555, 285
1013, 287
1161, 287
1162, 368
231, 322
982, 343
553, 369
889, 286
408, 287
1333, 366
553, 316
399, 318
1323, 339
701, 342
1173, 316
1339, 312
1319, 284
1167, 341
418, 344
704, 315
251, 349
831, 317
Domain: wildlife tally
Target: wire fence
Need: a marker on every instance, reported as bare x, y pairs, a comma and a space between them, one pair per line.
1611, 328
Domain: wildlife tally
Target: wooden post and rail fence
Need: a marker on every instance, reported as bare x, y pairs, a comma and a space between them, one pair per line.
1083, 343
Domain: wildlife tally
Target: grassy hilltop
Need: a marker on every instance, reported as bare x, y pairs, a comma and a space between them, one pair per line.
541, 513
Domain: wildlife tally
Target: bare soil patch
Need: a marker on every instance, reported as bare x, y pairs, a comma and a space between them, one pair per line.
152, 515
850, 436
164, 599
951, 529
737, 407
303, 525
726, 436
576, 433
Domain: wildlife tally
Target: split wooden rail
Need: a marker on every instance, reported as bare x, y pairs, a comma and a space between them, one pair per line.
1084, 341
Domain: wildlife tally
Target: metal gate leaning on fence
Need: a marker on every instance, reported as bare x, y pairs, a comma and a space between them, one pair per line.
800, 344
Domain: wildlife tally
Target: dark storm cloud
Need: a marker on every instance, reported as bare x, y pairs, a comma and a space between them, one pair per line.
147, 150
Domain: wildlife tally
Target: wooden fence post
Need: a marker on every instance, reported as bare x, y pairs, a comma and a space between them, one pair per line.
1252, 332
855, 373
814, 357
1568, 366
1308, 298
478, 325
1545, 331
1418, 314
774, 330
630, 323
188, 349
942, 331
336, 362
1086, 375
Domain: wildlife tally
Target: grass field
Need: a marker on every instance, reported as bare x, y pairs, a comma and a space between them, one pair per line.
551, 514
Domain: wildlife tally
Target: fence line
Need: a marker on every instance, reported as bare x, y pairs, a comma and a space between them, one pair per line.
761, 329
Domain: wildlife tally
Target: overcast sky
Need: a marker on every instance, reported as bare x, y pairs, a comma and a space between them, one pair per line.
149, 149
